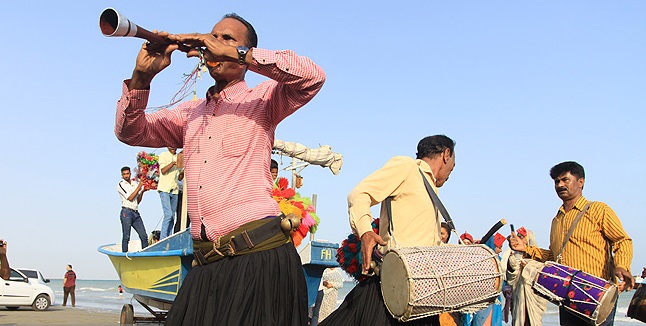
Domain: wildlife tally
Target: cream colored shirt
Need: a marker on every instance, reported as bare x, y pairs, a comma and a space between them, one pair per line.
416, 221
168, 181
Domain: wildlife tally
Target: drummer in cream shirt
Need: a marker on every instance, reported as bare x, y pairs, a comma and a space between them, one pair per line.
416, 222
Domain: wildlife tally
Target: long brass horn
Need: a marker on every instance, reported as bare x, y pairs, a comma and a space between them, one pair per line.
112, 23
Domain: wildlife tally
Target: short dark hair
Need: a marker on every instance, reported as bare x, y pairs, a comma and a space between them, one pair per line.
70, 266
252, 37
432, 146
446, 227
125, 168
569, 166
274, 164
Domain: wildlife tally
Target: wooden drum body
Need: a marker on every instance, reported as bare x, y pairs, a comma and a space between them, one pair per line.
417, 282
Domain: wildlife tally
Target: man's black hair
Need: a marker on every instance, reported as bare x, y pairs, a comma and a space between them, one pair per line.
432, 146
252, 37
125, 168
274, 164
448, 231
573, 167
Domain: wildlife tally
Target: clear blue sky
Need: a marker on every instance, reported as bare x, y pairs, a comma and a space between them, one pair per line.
519, 85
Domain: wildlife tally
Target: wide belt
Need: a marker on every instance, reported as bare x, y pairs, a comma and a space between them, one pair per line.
251, 237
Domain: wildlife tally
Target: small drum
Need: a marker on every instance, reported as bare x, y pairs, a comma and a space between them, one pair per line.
589, 297
637, 307
418, 282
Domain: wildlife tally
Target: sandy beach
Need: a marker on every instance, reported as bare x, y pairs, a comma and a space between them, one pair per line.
57, 315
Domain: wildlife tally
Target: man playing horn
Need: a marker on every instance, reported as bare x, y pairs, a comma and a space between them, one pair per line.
227, 140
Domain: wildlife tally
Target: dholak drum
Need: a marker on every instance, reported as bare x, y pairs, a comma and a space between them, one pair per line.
587, 296
417, 282
637, 307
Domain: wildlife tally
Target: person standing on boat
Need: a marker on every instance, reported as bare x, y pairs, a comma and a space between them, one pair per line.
247, 272
588, 247
180, 186
168, 189
69, 286
131, 194
416, 222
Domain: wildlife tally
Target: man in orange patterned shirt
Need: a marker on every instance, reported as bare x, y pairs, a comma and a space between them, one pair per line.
588, 247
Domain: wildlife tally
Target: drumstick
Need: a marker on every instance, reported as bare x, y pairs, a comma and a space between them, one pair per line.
512, 228
493, 230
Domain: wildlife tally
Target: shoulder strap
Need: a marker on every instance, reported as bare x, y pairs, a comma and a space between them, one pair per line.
574, 223
437, 202
434, 198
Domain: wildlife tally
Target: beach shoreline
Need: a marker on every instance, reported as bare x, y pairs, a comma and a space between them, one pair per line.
57, 315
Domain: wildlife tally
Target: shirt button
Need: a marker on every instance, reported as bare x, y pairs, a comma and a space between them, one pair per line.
204, 161
200, 187
209, 137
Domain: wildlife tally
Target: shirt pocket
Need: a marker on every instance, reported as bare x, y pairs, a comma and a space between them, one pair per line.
238, 135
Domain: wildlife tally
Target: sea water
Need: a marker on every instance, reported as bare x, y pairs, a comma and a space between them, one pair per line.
103, 296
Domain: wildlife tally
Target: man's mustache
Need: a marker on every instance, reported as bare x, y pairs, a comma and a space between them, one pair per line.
561, 189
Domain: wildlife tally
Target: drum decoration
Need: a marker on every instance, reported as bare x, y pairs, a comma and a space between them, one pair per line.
589, 297
418, 282
349, 254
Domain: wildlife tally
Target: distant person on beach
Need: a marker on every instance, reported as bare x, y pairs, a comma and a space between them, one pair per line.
445, 233
69, 286
131, 194
466, 238
521, 300
598, 229
168, 189
328, 294
120, 290
415, 220
5, 270
227, 139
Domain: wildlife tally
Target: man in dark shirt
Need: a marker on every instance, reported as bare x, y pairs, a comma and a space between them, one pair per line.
69, 285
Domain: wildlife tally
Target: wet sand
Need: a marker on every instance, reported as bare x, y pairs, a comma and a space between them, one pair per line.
57, 315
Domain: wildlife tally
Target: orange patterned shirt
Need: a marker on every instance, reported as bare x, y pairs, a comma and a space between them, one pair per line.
587, 248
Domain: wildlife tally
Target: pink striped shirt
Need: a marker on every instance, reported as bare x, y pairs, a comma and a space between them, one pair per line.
227, 142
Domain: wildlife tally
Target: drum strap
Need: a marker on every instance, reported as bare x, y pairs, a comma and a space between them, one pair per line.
438, 203
569, 233
434, 198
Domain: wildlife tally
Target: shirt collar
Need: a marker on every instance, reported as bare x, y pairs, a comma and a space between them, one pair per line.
235, 89
427, 169
580, 203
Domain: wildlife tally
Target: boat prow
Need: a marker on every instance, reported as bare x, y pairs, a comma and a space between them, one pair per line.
155, 272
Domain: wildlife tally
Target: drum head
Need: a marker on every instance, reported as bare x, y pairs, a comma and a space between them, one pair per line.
395, 288
606, 304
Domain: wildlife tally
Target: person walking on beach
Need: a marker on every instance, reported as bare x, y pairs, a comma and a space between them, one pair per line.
69, 286
131, 194
5, 271
416, 221
168, 189
247, 271
587, 249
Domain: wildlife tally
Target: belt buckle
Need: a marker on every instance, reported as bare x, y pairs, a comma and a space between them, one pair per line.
247, 240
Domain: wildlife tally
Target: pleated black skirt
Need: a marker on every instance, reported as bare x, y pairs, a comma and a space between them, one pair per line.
365, 306
263, 288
